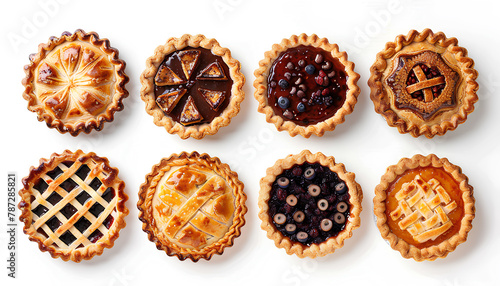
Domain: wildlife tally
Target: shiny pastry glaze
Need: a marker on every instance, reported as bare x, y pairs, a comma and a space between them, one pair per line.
323, 94
75, 81
192, 207
305, 209
427, 173
192, 86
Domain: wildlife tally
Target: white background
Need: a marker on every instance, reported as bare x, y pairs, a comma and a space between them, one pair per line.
364, 143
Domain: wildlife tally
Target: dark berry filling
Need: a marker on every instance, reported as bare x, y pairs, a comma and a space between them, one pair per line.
430, 72
309, 203
306, 85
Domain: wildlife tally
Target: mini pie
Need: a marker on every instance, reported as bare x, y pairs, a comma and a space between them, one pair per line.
423, 83
192, 206
73, 205
192, 86
75, 83
305, 85
424, 207
309, 204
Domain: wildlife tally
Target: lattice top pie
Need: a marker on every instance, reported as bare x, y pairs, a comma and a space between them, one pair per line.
73, 205
423, 83
192, 206
75, 83
424, 207
192, 86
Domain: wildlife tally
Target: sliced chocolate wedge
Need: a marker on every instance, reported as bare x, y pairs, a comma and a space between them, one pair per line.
168, 101
212, 72
213, 97
190, 113
189, 60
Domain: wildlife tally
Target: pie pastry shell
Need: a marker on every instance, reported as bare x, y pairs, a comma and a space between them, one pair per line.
159, 222
197, 131
332, 243
75, 82
31, 198
434, 250
261, 86
454, 57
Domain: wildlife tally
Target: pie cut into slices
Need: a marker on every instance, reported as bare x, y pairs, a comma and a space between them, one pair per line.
75, 82
309, 204
203, 84
73, 205
192, 206
306, 86
423, 83
424, 207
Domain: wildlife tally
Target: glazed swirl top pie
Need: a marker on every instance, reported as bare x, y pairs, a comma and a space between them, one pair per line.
73, 205
424, 207
75, 83
423, 83
192, 206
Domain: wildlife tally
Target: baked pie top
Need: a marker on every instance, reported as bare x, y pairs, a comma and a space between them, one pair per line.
309, 204
423, 83
73, 205
424, 207
192, 86
306, 86
192, 206
75, 83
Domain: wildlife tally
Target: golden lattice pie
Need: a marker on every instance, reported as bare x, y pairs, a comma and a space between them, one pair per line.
192, 206
306, 86
75, 82
73, 205
192, 86
423, 83
309, 204
424, 207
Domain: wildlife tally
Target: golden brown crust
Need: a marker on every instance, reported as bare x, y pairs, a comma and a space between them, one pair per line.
112, 180
262, 73
297, 248
148, 96
203, 161
436, 251
90, 119
405, 120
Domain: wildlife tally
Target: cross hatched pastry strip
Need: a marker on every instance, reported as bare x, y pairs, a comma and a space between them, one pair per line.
75, 202
423, 208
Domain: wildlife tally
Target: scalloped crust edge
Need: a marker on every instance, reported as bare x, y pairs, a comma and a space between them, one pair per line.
444, 248
329, 245
146, 192
159, 117
90, 124
88, 252
293, 129
380, 98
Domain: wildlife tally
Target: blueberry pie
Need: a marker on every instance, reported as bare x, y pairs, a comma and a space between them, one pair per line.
73, 205
306, 86
424, 207
192, 86
75, 82
192, 206
423, 83
309, 204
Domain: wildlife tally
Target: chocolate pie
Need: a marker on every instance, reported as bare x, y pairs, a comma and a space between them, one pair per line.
75, 82
73, 205
309, 204
424, 207
306, 86
192, 206
423, 83
192, 86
